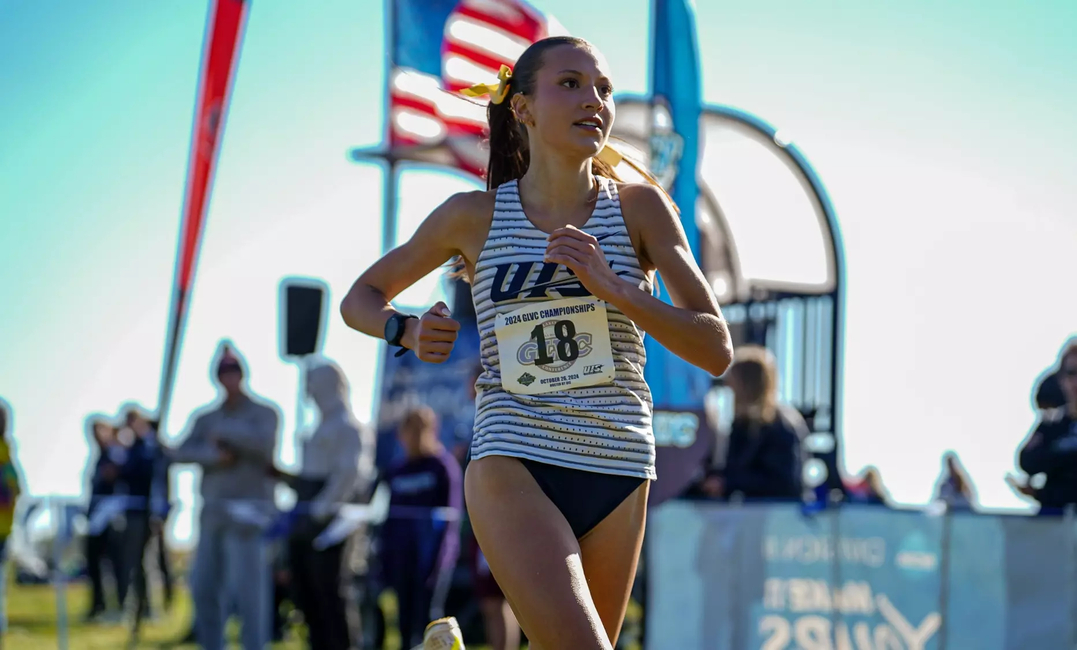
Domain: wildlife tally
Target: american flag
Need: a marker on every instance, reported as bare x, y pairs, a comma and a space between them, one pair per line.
439, 47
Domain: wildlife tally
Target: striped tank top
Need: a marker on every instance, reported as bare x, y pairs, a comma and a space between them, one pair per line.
539, 325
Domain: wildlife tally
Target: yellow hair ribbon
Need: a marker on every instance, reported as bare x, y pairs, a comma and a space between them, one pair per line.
609, 155
613, 157
497, 93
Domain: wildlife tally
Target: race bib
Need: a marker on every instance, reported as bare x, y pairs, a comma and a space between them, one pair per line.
555, 345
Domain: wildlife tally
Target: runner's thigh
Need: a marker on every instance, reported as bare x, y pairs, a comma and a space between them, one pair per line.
533, 555
610, 554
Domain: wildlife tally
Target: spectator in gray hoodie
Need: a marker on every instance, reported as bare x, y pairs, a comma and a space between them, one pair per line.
338, 468
234, 442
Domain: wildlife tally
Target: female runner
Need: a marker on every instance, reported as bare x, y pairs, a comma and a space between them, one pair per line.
561, 257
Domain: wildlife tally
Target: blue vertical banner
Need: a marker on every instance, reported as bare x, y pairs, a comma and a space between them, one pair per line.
676, 96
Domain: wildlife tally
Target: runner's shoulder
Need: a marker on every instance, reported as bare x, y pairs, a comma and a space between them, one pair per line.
461, 223
467, 209
644, 199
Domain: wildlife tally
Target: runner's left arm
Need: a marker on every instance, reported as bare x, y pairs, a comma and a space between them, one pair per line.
692, 327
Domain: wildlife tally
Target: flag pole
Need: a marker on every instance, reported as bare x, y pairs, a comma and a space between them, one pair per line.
388, 220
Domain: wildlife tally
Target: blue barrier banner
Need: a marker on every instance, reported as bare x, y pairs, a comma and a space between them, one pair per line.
770, 577
1041, 582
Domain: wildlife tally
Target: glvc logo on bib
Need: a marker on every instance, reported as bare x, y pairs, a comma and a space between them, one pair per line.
554, 346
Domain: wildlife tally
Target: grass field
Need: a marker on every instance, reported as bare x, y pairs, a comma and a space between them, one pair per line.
32, 625
32, 616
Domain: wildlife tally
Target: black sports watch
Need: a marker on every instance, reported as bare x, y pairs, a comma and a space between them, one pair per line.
394, 331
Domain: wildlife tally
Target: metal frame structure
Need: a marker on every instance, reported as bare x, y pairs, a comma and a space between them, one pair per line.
772, 301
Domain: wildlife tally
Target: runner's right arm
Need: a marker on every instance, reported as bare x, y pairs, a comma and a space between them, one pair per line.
367, 306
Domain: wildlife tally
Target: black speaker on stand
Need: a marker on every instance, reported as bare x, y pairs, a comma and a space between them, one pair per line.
304, 306
304, 303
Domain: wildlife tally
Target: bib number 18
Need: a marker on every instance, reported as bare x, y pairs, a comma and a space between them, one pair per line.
567, 348
539, 346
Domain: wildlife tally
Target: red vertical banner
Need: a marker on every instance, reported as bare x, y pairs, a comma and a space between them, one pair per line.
224, 32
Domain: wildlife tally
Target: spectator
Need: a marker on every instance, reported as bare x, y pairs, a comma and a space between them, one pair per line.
868, 489
419, 545
1047, 396
954, 488
107, 543
338, 467
137, 476
1051, 450
1049, 393
10, 489
160, 507
764, 459
234, 442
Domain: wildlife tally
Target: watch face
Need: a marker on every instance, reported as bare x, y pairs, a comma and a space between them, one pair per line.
392, 329
395, 328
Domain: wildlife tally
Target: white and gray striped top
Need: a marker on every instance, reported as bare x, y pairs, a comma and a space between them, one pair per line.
604, 428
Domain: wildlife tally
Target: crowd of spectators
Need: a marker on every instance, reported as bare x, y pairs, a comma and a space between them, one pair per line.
254, 563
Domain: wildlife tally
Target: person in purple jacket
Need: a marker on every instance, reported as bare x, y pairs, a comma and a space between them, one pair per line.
419, 540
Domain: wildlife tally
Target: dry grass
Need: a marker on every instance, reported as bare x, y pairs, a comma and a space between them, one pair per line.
32, 616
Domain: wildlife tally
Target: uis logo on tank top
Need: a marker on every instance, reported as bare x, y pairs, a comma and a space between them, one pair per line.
518, 281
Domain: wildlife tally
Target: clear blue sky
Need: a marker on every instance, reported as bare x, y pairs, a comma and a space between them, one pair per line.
943, 132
